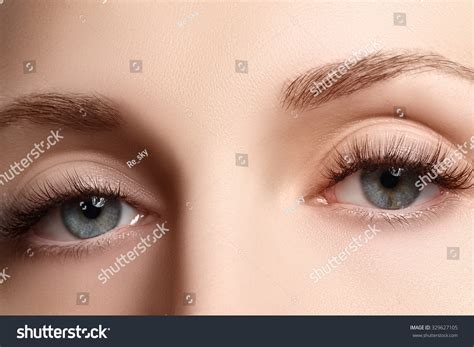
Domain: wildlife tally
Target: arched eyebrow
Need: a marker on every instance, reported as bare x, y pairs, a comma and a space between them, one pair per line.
364, 73
80, 112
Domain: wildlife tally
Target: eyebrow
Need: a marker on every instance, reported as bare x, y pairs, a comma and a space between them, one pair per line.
76, 111
301, 92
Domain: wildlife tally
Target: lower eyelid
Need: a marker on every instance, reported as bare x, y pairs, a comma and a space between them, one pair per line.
421, 213
115, 237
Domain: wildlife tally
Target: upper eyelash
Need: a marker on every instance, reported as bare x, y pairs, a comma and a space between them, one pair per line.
24, 211
397, 151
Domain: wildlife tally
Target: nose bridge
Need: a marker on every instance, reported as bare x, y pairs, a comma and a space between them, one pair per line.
211, 216
215, 218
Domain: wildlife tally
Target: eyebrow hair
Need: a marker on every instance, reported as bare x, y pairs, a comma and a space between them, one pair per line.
364, 73
76, 111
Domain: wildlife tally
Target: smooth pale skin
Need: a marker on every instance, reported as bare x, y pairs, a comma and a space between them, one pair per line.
231, 243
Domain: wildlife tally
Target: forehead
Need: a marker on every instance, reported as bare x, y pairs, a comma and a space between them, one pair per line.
202, 46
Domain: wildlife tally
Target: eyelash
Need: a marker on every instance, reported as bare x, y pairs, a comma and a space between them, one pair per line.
24, 211
397, 151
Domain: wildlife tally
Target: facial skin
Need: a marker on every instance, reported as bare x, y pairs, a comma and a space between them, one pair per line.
230, 241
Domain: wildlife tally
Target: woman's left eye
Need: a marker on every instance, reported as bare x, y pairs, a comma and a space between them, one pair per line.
384, 188
86, 218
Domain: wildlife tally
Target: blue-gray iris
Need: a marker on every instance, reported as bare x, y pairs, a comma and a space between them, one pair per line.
389, 189
85, 218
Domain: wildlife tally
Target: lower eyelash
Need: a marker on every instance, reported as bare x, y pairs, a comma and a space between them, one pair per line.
73, 250
400, 218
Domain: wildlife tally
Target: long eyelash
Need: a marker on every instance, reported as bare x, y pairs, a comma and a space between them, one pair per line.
25, 210
398, 152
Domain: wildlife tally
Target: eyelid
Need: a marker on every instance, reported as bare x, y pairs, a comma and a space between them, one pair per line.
402, 218
94, 172
390, 148
424, 145
60, 182
117, 237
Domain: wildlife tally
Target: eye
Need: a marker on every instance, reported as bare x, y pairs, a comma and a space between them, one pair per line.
86, 218
387, 188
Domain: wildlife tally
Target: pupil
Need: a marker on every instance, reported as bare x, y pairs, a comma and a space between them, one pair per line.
89, 210
388, 180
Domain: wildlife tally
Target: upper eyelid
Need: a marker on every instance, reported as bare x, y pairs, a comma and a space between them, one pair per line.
401, 142
58, 189
331, 163
95, 170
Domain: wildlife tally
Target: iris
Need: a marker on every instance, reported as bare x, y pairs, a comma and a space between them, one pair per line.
390, 188
86, 218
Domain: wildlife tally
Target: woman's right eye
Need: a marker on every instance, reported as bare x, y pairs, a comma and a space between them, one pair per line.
86, 218
384, 188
